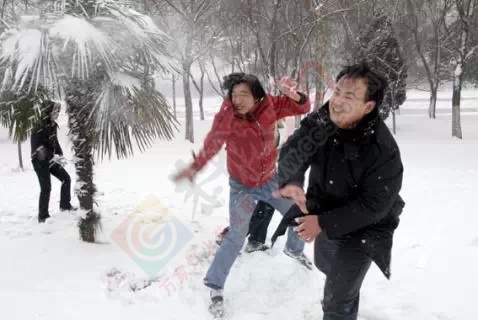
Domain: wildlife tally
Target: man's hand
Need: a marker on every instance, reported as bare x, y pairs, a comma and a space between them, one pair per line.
295, 193
308, 228
288, 86
188, 173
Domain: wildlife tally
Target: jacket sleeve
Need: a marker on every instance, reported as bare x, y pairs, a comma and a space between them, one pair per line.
286, 107
379, 190
40, 144
216, 137
296, 154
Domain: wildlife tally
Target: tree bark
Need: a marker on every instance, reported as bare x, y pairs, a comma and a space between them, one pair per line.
200, 89
20, 156
174, 96
188, 103
456, 97
433, 101
82, 142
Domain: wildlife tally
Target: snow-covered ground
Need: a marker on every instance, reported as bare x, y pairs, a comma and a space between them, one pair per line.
47, 273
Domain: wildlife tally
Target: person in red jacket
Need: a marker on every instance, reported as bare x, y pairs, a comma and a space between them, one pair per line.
246, 123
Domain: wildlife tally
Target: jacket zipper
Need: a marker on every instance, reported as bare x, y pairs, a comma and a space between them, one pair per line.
261, 132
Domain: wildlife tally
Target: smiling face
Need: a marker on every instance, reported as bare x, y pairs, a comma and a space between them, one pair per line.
348, 105
242, 98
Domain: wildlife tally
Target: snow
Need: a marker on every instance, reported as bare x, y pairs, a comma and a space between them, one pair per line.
48, 273
86, 38
26, 46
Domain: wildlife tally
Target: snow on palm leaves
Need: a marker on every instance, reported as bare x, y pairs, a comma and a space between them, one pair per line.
58, 50
102, 60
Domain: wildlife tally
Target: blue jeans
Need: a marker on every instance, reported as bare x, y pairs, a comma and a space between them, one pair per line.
241, 205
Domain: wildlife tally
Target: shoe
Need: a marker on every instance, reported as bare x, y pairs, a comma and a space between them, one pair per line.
253, 245
42, 219
301, 257
216, 306
68, 208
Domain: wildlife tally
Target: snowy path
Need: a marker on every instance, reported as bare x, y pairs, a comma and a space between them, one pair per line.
47, 273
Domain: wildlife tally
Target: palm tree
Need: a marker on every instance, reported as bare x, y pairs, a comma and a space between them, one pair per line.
100, 56
18, 113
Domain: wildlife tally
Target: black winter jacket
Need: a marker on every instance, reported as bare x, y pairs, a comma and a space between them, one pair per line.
45, 135
354, 180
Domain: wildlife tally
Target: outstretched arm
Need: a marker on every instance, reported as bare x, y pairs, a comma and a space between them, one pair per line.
216, 137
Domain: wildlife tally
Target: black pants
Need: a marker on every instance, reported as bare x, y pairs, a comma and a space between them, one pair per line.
345, 267
44, 170
260, 220
261, 217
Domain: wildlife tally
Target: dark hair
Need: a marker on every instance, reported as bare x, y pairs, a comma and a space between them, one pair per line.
252, 81
46, 108
376, 83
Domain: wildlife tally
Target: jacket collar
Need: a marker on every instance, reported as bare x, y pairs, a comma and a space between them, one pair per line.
260, 106
358, 135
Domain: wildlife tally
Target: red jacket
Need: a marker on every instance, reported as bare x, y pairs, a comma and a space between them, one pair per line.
249, 139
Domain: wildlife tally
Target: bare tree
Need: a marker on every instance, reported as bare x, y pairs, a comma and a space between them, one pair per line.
192, 35
200, 89
426, 21
466, 11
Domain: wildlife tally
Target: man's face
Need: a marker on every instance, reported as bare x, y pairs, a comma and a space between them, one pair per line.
56, 111
347, 106
242, 98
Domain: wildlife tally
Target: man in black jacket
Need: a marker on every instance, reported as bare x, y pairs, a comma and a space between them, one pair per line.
352, 205
44, 145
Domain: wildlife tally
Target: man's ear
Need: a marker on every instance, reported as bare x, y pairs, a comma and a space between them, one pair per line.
369, 106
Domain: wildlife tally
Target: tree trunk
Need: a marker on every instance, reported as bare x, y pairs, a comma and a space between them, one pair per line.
201, 94
200, 89
188, 103
20, 156
82, 142
433, 101
456, 97
174, 96
394, 122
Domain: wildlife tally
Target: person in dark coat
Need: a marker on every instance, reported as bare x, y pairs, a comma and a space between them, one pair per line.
352, 204
44, 146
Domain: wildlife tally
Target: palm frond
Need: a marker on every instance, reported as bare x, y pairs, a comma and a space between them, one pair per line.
137, 33
122, 110
127, 110
87, 42
45, 49
18, 112
103, 61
